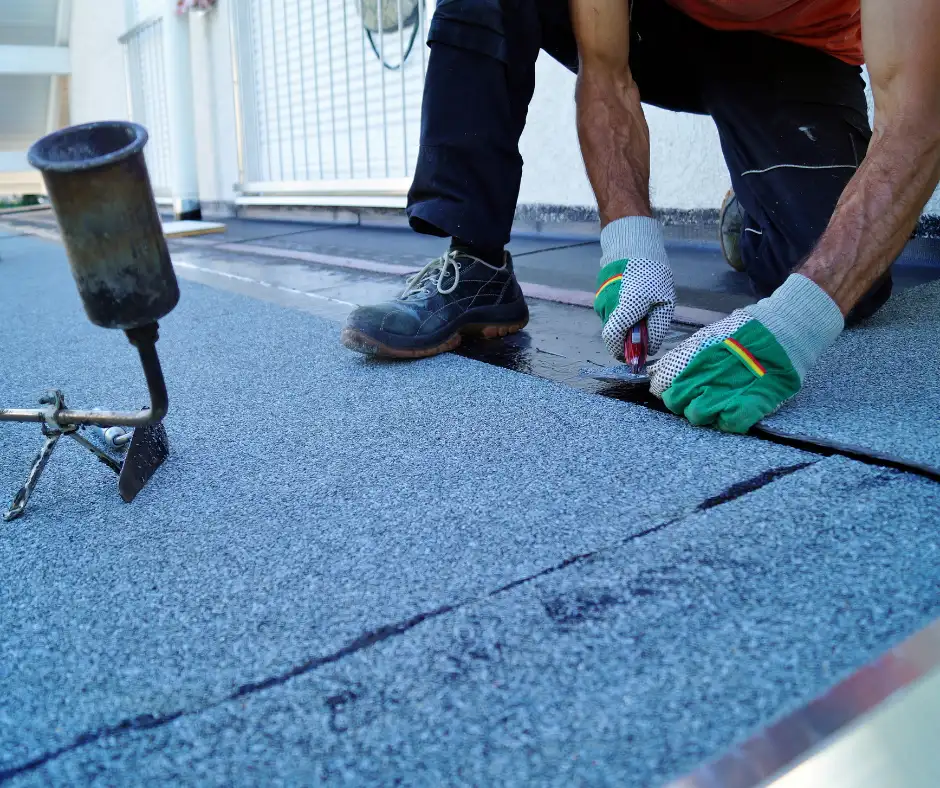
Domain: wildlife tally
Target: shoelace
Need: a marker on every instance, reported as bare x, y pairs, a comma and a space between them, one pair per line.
419, 281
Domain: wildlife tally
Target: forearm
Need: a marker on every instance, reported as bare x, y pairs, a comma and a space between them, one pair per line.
615, 141
877, 212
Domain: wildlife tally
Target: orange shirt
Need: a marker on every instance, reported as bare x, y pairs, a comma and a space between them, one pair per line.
833, 26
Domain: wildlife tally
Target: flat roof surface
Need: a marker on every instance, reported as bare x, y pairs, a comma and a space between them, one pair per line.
441, 571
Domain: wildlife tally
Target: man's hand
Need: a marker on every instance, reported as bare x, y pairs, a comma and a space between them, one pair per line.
635, 280
629, 290
741, 369
734, 373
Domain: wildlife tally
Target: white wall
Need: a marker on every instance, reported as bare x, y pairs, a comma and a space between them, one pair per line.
687, 169
933, 207
553, 171
99, 89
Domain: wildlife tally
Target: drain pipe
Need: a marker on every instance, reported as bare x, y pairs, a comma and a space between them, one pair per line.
180, 114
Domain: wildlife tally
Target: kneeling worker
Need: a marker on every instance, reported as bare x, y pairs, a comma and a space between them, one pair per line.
821, 206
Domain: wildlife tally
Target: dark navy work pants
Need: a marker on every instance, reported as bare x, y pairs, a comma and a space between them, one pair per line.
792, 121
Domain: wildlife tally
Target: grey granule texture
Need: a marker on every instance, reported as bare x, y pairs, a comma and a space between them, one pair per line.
878, 387
292, 595
626, 669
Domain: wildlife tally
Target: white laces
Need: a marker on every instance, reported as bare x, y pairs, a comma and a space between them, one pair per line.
434, 273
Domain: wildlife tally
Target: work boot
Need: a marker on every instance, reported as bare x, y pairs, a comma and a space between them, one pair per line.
454, 296
730, 227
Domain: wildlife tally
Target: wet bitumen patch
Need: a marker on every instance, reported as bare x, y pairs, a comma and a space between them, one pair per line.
314, 505
383, 244
558, 342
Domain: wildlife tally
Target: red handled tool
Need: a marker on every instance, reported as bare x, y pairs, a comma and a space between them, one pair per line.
636, 348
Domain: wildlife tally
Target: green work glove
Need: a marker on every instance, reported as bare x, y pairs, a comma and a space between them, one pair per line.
635, 281
734, 373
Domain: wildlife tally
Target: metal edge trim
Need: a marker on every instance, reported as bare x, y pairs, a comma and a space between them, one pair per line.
326, 201
348, 187
788, 741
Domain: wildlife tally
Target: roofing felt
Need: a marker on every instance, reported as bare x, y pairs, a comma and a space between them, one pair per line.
358, 570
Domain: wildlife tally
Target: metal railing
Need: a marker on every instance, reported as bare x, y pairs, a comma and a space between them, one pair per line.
147, 98
329, 97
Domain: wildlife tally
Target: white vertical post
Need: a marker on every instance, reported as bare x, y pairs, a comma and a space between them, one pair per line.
57, 112
184, 177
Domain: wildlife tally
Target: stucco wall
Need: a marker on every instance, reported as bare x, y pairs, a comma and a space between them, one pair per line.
687, 169
99, 88
933, 207
16, 183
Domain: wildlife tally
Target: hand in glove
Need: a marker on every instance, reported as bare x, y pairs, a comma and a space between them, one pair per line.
635, 281
737, 371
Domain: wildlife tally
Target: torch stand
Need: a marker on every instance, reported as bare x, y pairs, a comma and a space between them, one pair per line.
148, 441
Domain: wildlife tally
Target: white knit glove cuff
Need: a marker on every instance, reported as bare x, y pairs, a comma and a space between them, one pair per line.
633, 238
647, 289
803, 319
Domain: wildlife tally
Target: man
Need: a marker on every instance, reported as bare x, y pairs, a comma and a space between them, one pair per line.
818, 195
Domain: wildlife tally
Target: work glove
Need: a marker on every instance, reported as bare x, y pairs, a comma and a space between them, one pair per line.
635, 281
737, 371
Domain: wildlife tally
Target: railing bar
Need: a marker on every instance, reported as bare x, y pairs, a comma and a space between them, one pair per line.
423, 33
316, 87
265, 128
139, 28
352, 171
277, 100
381, 36
329, 49
365, 102
290, 92
404, 93
161, 110
303, 92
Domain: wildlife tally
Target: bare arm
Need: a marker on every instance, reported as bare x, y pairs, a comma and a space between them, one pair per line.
882, 203
611, 126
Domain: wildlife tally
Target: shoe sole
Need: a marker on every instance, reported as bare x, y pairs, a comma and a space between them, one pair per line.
732, 260
360, 342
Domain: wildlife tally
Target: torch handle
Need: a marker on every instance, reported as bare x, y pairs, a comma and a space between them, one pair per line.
145, 340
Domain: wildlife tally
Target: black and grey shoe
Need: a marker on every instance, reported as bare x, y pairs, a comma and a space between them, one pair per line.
731, 225
454, 296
